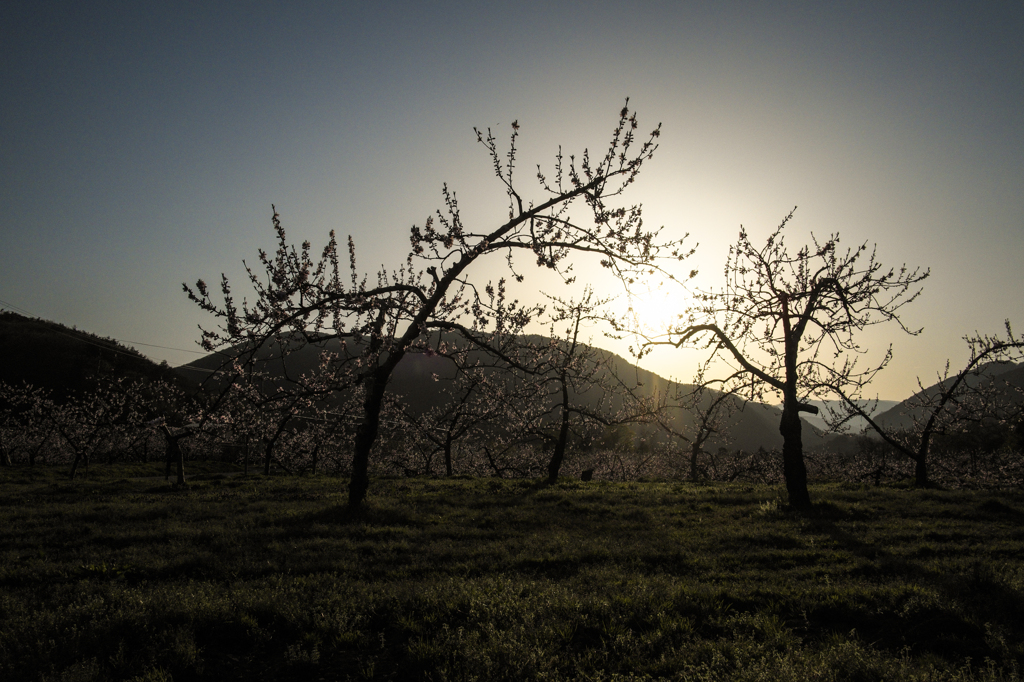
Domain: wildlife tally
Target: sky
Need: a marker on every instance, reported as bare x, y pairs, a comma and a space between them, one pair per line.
142, 144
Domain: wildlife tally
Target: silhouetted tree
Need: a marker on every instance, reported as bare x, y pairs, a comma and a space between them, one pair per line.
301, 300
710, 408
582, 384
26, 424
473, 403
788, 322
957, 402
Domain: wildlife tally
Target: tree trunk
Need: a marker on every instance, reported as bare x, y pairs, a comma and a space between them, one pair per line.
271, 444
921, 472
921, 462
181, 461
366, 435
35, 451
792, 444
74, 465
448, 457
174, 453
695, 449
793, 456
555, 465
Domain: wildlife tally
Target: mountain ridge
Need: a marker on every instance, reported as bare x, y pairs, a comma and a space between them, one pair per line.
67, 361
754, 426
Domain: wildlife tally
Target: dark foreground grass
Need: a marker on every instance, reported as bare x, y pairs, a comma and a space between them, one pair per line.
269, 578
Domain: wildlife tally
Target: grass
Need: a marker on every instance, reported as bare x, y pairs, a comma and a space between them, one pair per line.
270, 578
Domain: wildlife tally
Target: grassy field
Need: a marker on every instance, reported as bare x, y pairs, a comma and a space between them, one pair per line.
269, 578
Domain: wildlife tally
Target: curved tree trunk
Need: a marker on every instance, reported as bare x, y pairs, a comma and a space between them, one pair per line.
35, 452
792, 443
271, 445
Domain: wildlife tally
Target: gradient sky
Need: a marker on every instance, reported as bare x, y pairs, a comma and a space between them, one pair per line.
143, 143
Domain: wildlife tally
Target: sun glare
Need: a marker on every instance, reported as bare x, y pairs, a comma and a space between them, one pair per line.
655, 311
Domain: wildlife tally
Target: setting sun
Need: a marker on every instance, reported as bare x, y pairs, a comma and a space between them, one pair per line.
655, 310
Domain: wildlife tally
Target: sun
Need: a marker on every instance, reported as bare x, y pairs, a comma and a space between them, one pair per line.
655, 310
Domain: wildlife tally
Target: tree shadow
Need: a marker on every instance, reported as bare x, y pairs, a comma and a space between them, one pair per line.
978, 612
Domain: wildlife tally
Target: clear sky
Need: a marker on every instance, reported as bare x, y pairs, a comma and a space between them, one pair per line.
143, 143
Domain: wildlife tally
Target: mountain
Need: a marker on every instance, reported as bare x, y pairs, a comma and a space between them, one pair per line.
1006, 378
855, 425
754, 425
66, 360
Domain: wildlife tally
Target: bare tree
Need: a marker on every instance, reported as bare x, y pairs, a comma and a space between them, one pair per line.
462, 411
956, 402
788, 323
302, 300
106, 419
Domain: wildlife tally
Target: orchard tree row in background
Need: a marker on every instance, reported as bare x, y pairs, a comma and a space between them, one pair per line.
514, 404
786, 322
495, 424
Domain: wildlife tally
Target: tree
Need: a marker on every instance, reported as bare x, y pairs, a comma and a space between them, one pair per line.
711, 410
581, 382
461, 412
106, 419
473, 404
26, 425
789, 323
301, 300
956, 402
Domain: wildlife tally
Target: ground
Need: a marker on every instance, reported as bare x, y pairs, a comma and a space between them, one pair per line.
271, 578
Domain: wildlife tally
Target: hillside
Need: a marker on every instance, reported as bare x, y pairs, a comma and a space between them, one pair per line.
855, 425
754, 425
67, 361
1006, 378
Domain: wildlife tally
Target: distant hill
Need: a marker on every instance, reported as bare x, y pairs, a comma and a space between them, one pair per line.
1006, 378
855, 425
754, 426
65, 360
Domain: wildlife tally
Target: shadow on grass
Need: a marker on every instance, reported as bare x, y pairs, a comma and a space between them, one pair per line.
365, 514
959, 625
1000, 508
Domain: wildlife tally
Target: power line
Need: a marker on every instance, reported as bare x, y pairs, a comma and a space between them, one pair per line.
11, 305
153, 345
113, 350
